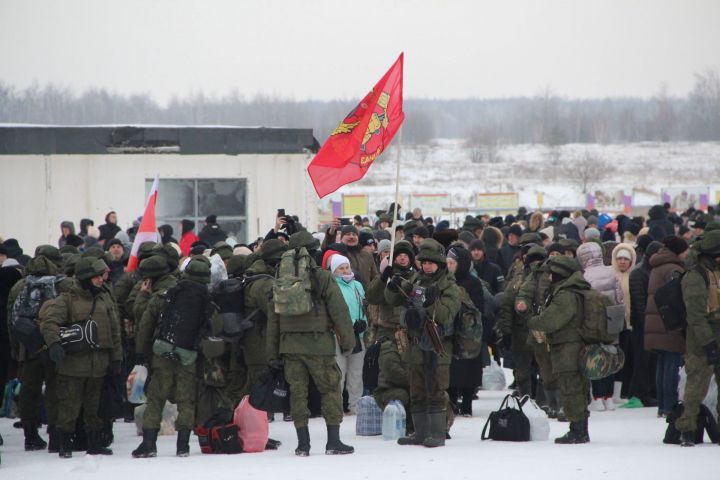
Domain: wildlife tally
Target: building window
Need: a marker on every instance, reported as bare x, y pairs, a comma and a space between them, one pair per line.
195, 198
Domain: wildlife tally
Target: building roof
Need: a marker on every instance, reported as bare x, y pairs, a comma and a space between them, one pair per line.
129, 139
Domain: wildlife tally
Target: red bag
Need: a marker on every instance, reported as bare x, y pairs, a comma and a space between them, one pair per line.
219, 439
253, 425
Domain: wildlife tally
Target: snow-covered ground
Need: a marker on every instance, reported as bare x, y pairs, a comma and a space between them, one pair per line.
625, 444
447, 166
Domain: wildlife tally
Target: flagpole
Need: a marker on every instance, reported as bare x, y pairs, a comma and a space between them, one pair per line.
397, 198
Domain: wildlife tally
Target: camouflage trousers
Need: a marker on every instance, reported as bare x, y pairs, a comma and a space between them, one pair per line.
32, 374
699, 374
170, 379
74, 393
428, 387
574, 387
326, 374
542, 357
523, 354
383, 396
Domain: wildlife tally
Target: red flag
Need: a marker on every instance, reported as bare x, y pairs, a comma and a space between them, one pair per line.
147, 231
362, 136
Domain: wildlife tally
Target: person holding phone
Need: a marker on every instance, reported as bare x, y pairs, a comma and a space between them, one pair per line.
361, 262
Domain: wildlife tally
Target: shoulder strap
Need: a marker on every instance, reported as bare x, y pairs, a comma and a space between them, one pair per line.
484, 430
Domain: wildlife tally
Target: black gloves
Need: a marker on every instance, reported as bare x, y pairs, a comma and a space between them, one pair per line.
431, 294
115, 368
413, 319
140, 359
506, 342
359, 327
395, 283
712, 353
387, 273
57, 354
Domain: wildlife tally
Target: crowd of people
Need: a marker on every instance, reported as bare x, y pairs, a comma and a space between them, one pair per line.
209, 316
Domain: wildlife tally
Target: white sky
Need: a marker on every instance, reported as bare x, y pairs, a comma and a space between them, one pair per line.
338, 49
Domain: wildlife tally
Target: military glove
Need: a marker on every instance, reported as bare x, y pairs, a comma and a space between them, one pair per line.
387, 273
57, 354
712, 353
395, 283
359, 327
115, 368
413, 319
431, 294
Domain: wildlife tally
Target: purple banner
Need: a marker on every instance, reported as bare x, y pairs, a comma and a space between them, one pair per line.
704, 201
590, 201
666, 198
336, 208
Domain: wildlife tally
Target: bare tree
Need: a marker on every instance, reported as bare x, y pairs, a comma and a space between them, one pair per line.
587, 171
482, 143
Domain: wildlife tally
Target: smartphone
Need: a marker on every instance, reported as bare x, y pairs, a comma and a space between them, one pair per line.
345, 221
281, 212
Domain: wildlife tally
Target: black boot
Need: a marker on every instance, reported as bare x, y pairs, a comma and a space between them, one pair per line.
552, 403
95, 446
578, 433
53, 439
420, 422
183, 443
437, 429
65, 440
148, 447
303, 448
33, 441
687, 439
334, 446
272, 444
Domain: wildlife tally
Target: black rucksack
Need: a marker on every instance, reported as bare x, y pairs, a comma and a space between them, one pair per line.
670, 303
371, 366
23, 324
185, 312
229, 296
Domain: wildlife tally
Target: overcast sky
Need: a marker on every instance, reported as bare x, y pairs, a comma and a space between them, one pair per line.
338, 49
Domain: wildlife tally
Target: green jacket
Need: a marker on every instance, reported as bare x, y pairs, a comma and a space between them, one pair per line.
393, 369
330, 305
122, 290
257, 296
703, 324
388, 319
145, 330
443, 310
562, 317
76, 306
507, 317
38, 266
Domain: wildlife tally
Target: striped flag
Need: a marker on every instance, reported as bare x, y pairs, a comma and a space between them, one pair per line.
147, 231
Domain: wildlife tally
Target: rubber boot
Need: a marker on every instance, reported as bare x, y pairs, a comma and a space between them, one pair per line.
95, 446
687, 439
33, 441
577, 434
183, 443
66, 446
437, 429
53, 439
148, 447
303, 448
420, 422
334, 446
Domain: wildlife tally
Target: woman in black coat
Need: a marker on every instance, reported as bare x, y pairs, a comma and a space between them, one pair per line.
465, 375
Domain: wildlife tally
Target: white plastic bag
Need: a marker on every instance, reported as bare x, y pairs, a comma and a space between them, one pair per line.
167, 424
136, 384
710, 400
493, 377
218, 272
539, 422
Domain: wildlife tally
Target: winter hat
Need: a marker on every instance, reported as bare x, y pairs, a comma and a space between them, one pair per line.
591, 233
589, 251
187, 225
633, 228
12, 247
211, 219
442, 225
49, 252
197, 270
477, 244
535, 254
147, 250
555, 247
431, 250
384, 245
466, 237
153, 267
222, 249
348, 229
549, 231
235, 267
462, 256
527, 238
70, 260
592, 220
68, 249
305, 239
515, 230
366, 238
95, 252
382, 235
89, 267
623, 253
421, 232
113, 241
471, 224
675, 244
569, 244
273, 249
710, 243
562, 266
404, 246
338, 260
241, 250
171, 252
73, 240
446, 237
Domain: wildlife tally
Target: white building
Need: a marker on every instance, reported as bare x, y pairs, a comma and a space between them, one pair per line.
49, 174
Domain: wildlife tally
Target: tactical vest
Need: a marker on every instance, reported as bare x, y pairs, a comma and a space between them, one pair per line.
184, 313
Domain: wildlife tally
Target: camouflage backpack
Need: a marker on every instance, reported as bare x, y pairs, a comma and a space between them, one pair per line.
35, 292
468, 329
600, 318
601, 361
293, 287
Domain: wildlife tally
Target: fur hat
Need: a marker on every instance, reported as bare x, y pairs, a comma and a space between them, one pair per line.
348, 229
153, 267
89, 267
305, 239
197, 271
515, 230
273, 249
431, 250
675, 244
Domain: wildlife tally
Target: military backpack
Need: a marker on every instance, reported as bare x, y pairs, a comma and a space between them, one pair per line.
293, 287
468, 329
229, 296
602, 318
35, 292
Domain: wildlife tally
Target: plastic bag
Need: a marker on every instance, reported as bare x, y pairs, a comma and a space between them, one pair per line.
136, 384
710, 400
253, 426
218, 272
167, 424
539, 422
493, 377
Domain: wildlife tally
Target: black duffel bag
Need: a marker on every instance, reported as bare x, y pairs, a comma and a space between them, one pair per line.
80, 336
271, 393
508, 424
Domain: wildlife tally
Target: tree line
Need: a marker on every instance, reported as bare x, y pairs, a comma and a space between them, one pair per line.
545, 118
